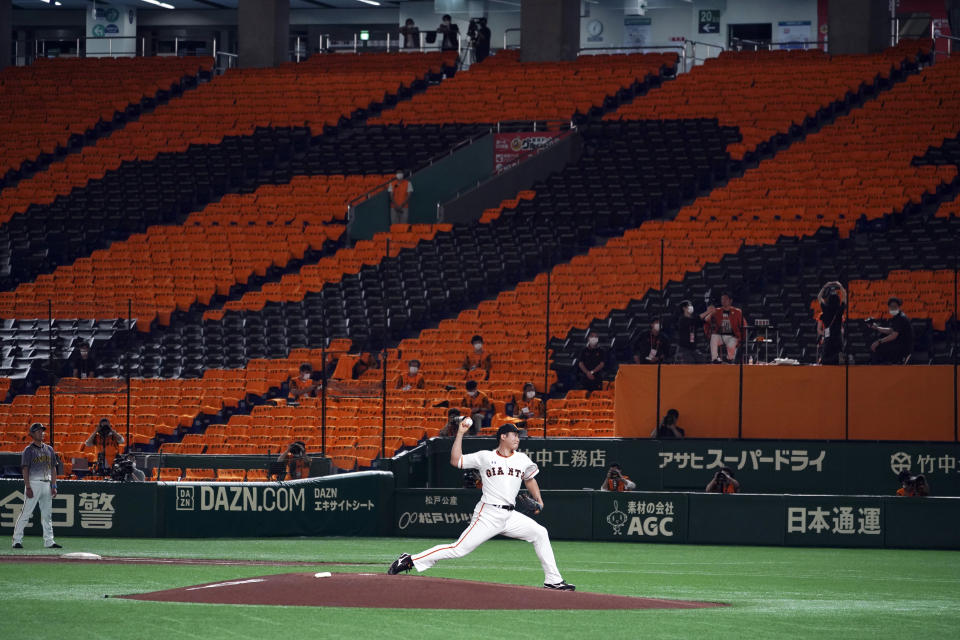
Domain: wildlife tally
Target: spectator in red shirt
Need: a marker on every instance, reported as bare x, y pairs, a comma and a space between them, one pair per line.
724, 326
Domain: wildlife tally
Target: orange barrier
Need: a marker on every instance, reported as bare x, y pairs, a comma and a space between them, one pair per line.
790, 403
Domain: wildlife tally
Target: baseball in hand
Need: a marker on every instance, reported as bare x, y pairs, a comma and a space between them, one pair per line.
465, 424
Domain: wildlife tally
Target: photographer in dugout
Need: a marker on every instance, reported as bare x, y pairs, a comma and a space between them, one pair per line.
723, 482
108, 443
296, 459
124, 469
616, 480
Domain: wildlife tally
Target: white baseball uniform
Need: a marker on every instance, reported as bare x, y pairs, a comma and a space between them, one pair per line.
501, 476
41, 464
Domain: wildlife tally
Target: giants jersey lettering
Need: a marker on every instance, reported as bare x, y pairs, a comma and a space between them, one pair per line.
501, 475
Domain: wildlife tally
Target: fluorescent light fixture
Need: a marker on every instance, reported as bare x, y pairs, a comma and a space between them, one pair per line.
58, 3
163, 5
373, 2
47, 1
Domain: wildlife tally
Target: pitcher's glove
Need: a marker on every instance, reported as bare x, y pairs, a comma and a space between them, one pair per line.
527, 505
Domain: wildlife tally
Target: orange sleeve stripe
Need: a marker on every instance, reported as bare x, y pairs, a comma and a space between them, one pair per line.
461, 539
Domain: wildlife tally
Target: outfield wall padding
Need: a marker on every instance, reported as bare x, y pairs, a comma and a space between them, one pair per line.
700, 518
353, 504
762, 466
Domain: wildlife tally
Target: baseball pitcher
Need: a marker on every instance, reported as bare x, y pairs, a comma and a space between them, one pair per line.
499, 510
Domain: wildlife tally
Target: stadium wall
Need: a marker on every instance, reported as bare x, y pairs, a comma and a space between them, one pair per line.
761, 466
365, 504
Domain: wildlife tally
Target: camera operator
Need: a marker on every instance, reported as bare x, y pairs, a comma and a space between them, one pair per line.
920, 485
480, 35
454, 419
833, 304
298, 463
616, 480
669, 427
723, 482
896, 341
450, 33
411, 34
108, 443
124, 469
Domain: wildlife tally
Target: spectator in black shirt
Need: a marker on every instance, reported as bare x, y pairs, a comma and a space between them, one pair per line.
482, 43
411, 34
668, 427
81, 363
590, 363
450, 33
688, 326
896, 341
833, 304
652, 347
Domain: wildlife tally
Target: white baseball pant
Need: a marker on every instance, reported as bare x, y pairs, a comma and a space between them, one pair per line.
41, 496
729, 341
488, 521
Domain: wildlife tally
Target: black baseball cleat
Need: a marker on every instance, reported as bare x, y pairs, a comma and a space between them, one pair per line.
17, 545
54, 546
560, 586
403, 563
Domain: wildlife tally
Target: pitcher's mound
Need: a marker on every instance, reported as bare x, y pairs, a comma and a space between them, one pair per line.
399, 592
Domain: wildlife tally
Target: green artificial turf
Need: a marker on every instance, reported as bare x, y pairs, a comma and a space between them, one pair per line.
773, 592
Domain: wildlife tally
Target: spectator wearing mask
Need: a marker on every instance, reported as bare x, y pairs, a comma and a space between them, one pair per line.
833, 305
688, 327
896, 341
302, 385
81, 363
723, 326
652, 347
616, 480
297, 460
590, 363
449, 34
529, 406
669, 427
477, 358
399, 190
477, 405
723, 482
411, 34
412, 379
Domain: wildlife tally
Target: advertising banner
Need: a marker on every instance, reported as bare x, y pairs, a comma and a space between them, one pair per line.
761, 466
355, 504
512, 148
646, 517
105, 509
